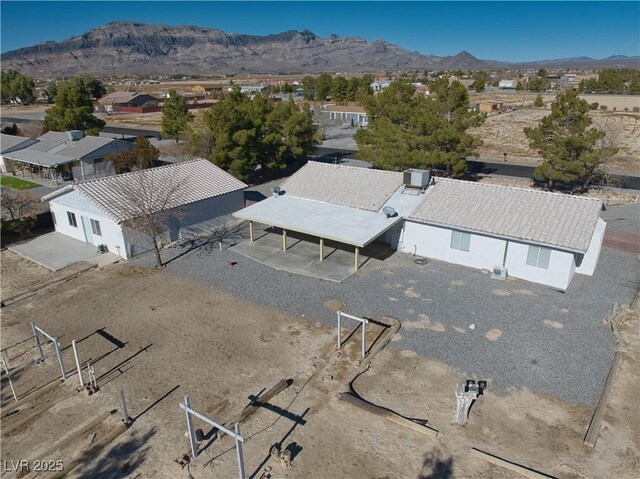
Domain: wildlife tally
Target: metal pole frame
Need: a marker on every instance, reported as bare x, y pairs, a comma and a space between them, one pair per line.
234, 434
75, 354
35, 335
6, 368
364, 322
56, 343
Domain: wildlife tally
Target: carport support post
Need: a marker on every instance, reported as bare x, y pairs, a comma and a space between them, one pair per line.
321, 249
357, 258
284, 240
251, 231
192, 434
75, 354
35, 335
339, 329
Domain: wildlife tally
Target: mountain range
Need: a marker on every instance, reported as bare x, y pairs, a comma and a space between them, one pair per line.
128, 48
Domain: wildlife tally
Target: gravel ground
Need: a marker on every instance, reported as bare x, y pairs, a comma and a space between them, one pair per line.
525, 335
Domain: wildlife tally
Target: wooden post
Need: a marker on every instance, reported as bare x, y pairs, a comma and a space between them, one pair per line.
357, 259
251, 231
321, 249
284, 240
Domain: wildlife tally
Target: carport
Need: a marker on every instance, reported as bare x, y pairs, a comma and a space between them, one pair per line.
356, 228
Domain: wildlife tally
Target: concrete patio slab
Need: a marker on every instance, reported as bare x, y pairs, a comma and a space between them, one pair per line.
303, 255
56, 251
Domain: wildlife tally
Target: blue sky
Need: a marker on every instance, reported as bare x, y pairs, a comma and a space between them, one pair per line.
509, 31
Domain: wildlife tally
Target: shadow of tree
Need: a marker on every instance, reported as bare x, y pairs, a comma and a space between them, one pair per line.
435, 466
121, 461
207, 243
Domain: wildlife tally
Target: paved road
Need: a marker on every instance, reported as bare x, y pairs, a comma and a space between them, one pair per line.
487, 168
501, 169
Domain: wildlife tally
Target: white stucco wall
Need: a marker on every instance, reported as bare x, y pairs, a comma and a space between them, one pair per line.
434, 242
194, 218
590, 259
73, 202
558, 275
485, 252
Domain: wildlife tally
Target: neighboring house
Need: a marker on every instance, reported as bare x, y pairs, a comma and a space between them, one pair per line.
538, 236
98, 211
346, 115
533, 235
508, 84
125, 101
63, 156
11, 143
380, 85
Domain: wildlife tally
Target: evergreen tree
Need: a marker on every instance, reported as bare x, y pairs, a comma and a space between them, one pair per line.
243, 134
175, 116
323, 86
411, 131
339, 89
73, 109
573, 152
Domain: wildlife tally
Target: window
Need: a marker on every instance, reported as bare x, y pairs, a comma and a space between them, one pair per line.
460, 240
538, 256
72, 219
95, 228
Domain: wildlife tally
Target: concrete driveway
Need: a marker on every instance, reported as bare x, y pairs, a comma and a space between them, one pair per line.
56, 251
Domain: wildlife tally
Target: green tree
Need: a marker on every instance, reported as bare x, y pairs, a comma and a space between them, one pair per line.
480, 81
339, 89
72, 110
572, 151
17, 87
90, 86
309, 88
52, 89
538, 84
542, 73
175, 116
244, 134
538, 102
323, 86
412, 131
353, 87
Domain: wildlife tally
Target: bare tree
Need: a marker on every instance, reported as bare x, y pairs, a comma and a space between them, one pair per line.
182, 151
19, 204
149, 202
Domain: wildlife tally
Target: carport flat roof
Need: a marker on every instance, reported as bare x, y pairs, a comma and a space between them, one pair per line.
346, 225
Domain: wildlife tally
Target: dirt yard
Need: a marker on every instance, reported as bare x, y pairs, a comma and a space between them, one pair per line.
504, 133
161, 337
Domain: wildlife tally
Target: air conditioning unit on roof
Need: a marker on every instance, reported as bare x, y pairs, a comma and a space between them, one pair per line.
415, 178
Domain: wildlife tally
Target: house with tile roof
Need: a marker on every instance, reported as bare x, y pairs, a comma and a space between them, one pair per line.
103, 211
523, 233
